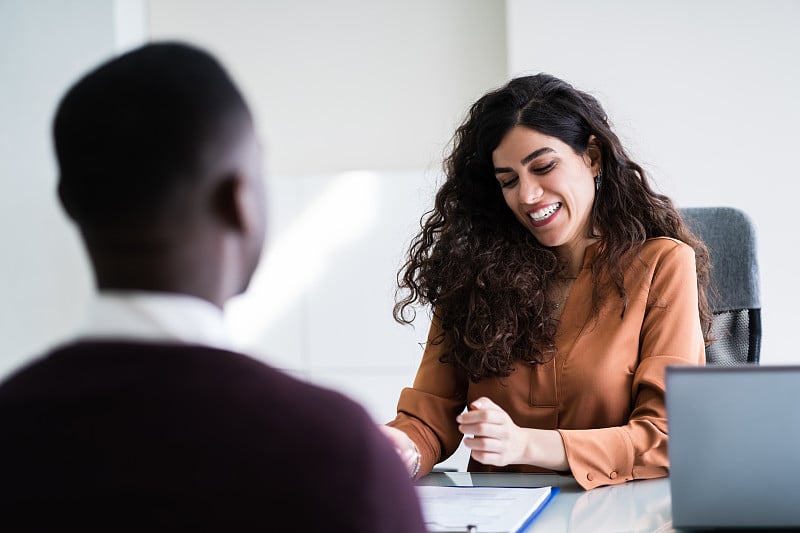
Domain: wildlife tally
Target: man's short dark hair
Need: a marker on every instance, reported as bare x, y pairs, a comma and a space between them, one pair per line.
133, 131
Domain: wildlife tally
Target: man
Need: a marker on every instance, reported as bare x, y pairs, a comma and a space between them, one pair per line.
148, 420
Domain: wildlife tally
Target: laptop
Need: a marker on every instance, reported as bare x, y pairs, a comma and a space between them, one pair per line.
734, 446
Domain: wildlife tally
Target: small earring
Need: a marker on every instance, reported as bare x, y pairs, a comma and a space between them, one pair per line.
598, 179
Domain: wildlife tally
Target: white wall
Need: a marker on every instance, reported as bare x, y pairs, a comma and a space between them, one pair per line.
44, 46
706, 95
349, 84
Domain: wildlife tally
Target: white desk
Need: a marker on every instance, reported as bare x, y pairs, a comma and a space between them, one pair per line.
635, 506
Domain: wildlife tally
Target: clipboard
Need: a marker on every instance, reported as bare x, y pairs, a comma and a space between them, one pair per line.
482, 509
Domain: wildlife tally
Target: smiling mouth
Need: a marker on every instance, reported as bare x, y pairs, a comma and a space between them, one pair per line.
543, 214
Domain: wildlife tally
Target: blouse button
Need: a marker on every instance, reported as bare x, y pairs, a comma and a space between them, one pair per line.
589, 476
613, 475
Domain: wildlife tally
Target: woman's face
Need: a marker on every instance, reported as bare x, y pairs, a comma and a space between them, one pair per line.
548, 186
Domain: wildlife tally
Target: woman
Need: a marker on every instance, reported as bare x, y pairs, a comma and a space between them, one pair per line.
561, 286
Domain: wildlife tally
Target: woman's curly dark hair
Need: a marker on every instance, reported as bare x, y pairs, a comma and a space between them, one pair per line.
485, 276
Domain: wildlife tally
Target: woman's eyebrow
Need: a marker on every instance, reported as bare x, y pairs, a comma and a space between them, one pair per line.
527, 159
536, 153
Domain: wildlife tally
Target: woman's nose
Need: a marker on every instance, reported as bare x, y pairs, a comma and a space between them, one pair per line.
530, 189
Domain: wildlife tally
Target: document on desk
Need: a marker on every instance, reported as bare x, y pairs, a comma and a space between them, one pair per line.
482, 509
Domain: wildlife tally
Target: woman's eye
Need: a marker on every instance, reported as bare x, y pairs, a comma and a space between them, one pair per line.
509, 182
544, 169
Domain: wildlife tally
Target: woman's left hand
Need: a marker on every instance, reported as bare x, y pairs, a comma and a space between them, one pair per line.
494, 439
492, 436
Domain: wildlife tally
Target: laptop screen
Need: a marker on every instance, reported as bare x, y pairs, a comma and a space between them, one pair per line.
734, 445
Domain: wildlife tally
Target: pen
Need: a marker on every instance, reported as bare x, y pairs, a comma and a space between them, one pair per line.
469, 528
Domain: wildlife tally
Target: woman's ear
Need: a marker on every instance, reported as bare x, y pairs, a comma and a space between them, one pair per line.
595, 158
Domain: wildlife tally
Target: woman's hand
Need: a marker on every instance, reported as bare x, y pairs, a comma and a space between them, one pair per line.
491, 435
494, 439
405, 447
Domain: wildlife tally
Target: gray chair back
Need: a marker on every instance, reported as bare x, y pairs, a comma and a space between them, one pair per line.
735, 295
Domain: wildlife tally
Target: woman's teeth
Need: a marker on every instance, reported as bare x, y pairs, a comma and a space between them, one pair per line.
545, 212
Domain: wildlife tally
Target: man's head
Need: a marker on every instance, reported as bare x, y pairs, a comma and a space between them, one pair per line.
160, 169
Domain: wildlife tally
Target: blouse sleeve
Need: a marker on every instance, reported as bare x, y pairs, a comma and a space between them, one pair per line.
427, 412
670, 335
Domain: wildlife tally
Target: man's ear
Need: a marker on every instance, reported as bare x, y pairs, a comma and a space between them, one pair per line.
65, 200
233, 203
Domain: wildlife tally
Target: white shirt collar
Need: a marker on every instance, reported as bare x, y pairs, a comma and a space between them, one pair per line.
155, 317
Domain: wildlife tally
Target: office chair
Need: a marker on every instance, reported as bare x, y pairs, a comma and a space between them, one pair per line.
734, 297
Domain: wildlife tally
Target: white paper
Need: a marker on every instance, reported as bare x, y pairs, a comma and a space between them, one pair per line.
488, 509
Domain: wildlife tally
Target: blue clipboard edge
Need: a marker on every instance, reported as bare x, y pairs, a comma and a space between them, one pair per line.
528, 521
532, 517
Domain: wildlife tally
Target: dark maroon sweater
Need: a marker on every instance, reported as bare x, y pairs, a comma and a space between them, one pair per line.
129, 436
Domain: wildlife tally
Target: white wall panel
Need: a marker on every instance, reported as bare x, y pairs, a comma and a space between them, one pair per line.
44, 46
705, 95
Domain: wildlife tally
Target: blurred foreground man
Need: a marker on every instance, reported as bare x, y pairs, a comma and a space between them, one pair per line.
148, 421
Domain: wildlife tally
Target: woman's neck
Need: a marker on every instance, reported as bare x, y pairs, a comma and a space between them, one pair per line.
572, 256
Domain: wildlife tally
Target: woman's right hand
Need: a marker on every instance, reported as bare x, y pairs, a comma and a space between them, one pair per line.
405, 447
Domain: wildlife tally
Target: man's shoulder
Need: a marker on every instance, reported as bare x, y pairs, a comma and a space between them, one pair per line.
105, 358
232, 389
168, 415
174, 367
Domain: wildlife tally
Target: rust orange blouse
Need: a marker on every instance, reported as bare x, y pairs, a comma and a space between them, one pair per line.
604, 389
